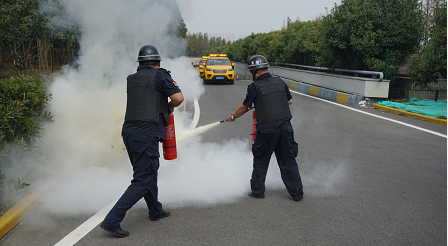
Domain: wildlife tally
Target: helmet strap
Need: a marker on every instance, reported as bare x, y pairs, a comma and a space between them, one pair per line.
253, 72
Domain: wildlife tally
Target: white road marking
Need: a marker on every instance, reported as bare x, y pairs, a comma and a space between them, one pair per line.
377, 116
76, 235
86, 227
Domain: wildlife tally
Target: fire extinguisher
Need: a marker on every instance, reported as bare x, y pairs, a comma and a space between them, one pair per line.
169, 145
254, 127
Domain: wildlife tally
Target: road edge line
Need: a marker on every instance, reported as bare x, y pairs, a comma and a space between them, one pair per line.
377, 116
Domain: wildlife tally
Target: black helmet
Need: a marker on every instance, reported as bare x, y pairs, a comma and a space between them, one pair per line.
149, 53
257, 62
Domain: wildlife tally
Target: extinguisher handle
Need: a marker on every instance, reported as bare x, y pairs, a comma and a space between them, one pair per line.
222, 121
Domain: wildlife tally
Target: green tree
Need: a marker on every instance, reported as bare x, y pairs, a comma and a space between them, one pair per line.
430, 64
199, 45
223, 42
60, 33
276, 45
21, 26
233, 50
260, 46
298, 42
242, 49
248, 47
212, 42
26, 23
192, 44
357, 33
182, 30
428, 7
301, 42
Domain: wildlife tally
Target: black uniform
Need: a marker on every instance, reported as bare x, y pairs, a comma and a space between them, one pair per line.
270, 95
143, 129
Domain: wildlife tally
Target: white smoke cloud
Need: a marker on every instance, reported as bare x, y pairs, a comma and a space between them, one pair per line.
84, 166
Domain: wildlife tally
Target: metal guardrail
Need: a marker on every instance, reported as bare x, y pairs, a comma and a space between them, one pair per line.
356, 73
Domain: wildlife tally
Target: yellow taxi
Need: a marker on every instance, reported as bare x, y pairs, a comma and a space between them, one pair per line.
218, 68
201, 66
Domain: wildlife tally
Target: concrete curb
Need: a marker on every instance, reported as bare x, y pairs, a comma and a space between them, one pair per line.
16, 213
332, 95
410, 114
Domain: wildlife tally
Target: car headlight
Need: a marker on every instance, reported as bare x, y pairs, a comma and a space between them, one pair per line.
208, 69
230, 69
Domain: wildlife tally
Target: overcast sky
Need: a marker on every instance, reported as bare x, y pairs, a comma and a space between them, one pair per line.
247, 16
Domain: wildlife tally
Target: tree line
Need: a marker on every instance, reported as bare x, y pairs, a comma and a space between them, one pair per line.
358, 35
34, 35
199, 44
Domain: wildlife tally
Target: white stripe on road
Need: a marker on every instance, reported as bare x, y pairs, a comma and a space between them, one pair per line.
86, 227
377, 116
91, 223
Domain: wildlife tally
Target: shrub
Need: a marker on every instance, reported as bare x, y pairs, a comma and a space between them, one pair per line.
22, 101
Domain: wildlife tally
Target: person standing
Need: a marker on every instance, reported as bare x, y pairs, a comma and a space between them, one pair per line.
147, 110
271, 98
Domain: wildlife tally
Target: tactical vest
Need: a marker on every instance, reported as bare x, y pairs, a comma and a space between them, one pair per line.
145, 102
271, 101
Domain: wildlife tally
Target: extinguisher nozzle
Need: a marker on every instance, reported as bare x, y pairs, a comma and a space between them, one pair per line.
222, 121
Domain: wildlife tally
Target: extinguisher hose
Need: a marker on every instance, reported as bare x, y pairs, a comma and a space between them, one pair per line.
249, 109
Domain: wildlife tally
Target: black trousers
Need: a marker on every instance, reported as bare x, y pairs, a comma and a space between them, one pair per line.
143, 153
280, 140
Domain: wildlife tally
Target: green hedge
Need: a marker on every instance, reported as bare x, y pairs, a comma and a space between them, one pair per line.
22, 101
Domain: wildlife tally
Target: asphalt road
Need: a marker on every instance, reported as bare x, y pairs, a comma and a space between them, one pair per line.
367, 181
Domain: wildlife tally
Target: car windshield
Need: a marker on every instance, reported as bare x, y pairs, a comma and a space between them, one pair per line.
203, 61
218, 62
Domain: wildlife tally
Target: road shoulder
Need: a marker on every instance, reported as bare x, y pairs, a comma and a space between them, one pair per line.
410, 114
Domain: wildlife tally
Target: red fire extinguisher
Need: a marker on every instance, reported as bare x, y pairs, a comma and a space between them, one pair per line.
254, 127
169, 145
